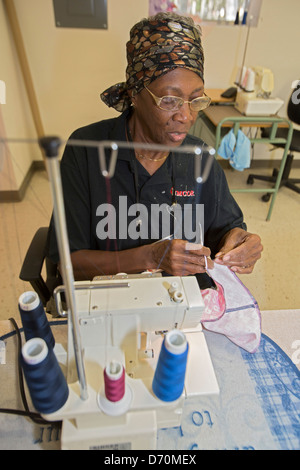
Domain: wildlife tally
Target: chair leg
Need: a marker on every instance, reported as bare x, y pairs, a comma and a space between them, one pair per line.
285, 180
290, 184
294, 180
270, 179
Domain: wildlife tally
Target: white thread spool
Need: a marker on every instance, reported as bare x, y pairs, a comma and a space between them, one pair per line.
29, 301
34, 351
175, 342
175, 292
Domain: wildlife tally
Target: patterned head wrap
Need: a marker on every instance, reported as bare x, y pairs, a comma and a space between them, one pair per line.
156, 46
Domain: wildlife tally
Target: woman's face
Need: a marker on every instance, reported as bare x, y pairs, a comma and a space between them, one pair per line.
154, 125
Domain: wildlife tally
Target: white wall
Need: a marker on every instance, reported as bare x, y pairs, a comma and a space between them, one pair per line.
70, 67
273, 44
15, 116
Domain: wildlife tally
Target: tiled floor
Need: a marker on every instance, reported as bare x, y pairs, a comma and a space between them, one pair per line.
275, 282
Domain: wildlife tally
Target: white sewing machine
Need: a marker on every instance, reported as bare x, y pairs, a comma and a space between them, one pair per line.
123, 318
254, 98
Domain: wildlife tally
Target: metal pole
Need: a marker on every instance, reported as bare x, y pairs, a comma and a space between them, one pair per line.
50, 145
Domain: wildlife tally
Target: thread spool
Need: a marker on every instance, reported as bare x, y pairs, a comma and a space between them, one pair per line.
114, 381
45, 380
34, 318
168, 380
175, 293
173, 288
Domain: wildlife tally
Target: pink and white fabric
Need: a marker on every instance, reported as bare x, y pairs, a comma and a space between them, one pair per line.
231, 310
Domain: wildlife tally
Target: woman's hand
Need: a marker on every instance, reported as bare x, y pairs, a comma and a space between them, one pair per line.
180, 258
239, 250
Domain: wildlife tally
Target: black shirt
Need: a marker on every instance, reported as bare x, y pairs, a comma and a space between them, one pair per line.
102, 213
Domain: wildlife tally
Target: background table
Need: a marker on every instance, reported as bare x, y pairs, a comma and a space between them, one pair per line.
215, 122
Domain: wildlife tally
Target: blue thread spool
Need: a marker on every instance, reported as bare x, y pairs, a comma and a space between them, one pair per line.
47, 385
34, 319
168, 381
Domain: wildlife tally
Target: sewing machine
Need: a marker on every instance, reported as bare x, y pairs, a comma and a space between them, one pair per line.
254, 98
123, 319
120, 323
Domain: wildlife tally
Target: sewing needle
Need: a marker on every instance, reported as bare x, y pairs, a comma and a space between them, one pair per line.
201, 241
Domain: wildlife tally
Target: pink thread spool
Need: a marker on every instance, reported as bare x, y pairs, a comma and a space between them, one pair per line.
114, 381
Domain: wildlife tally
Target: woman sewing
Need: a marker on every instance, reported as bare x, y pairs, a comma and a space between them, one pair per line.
159, 102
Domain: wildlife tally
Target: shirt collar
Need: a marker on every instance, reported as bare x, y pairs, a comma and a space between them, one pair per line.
118, 134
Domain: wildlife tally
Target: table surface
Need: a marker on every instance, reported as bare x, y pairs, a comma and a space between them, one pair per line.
218, 112
222, 108
258, 406
215, 95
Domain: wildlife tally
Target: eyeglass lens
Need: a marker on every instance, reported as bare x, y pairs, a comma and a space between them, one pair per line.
172, 103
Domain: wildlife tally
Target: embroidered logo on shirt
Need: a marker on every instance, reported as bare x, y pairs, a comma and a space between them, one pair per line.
185, 193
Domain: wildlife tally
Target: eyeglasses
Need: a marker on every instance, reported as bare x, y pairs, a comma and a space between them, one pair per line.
174, 103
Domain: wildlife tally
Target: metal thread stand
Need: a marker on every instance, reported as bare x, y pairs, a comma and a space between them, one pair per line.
50, 146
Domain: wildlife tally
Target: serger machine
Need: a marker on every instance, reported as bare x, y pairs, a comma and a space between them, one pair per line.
123, 321
136, 352
254, 97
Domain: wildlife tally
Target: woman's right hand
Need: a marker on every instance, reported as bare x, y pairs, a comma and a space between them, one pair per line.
180, 258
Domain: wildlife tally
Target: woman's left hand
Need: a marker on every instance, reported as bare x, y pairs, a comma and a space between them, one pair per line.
239, 250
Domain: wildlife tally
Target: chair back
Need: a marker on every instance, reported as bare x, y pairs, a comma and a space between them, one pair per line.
293, 109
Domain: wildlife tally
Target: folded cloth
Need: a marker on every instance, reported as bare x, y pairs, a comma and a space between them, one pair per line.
236, 150
214, 300
227, 146
238, 316
241, 157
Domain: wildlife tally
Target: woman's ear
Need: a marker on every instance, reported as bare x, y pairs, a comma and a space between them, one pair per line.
132, 97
